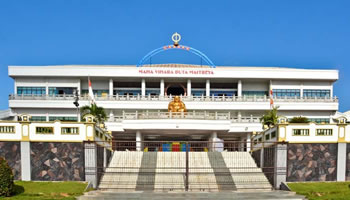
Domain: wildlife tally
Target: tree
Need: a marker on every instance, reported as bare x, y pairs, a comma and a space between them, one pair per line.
6, 179
270, 117
93, 109
299, 119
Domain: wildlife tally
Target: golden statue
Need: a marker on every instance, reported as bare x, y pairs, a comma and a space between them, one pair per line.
176, 105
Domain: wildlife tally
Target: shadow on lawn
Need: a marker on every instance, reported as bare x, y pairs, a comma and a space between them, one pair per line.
18, 189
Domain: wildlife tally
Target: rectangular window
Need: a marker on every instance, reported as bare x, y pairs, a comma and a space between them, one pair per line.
67, 119
273, 134
254, 93
29, 91
324, 132
99, 93
7, 129
38, 119
130, 92
260, 139
198, 92
152, 92
70, 131
320, 120
267, 137
53, 91
300, 132
44, 130
316, 93
223, 93
281, 93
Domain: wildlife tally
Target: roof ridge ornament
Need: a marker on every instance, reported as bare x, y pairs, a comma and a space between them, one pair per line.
176, 37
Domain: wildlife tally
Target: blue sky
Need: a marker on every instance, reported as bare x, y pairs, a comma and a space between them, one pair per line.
291, 33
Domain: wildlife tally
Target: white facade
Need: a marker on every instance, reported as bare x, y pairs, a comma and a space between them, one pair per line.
226, 100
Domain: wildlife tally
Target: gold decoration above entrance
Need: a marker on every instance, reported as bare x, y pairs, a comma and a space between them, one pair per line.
176, 105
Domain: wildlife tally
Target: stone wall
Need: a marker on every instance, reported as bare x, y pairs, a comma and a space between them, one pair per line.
347, 162
55, 161
312, 162
11, 151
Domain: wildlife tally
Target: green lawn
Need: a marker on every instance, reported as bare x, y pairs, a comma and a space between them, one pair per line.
322, 190
48, 190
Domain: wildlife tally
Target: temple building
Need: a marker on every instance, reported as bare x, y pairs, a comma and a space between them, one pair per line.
183, 121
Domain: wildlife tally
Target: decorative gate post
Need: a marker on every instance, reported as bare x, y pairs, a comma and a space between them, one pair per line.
280, 169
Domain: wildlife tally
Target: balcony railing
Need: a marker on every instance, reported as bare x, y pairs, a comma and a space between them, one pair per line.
169, 98
181, 115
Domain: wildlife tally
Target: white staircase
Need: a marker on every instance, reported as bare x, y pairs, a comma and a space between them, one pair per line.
122, 172
165, 171
170, 171
244, 171
202, 177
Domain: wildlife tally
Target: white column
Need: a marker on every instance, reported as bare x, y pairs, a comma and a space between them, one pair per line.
110, 87
301, 90
341, 162
161, 87
15, 86
213, 139
207, 88
47, 117
331, 88
239, 116
111, 116
47, 87
188, 87
239, 88
248, 142
25, 161
143, 87
138, 141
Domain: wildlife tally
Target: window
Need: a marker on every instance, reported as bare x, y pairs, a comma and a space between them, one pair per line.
267, 137
320, 120
44, 130
198, 92
324, 132
70, 131
128, 92
273, 134
69, 119
300, 132
222, 93
61, 90
99, 93
38, 118
28, 91
317, 93
152, 92
280, 93
254, 93
260, 139
7, 129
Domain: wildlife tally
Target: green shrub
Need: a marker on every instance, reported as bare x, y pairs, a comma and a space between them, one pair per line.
6, 178
299, 119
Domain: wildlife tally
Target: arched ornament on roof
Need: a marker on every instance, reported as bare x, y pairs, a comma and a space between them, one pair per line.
176, 37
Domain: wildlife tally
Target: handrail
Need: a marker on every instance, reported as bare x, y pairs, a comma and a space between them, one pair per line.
169, 98
203, 115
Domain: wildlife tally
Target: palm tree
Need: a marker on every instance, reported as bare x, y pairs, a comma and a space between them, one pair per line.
299, 119
98, 112
270, 118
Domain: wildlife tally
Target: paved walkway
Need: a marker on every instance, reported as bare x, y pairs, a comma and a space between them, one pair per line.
270, 195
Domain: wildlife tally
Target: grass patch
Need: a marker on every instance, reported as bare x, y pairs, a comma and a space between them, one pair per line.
322, 190
48, 190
